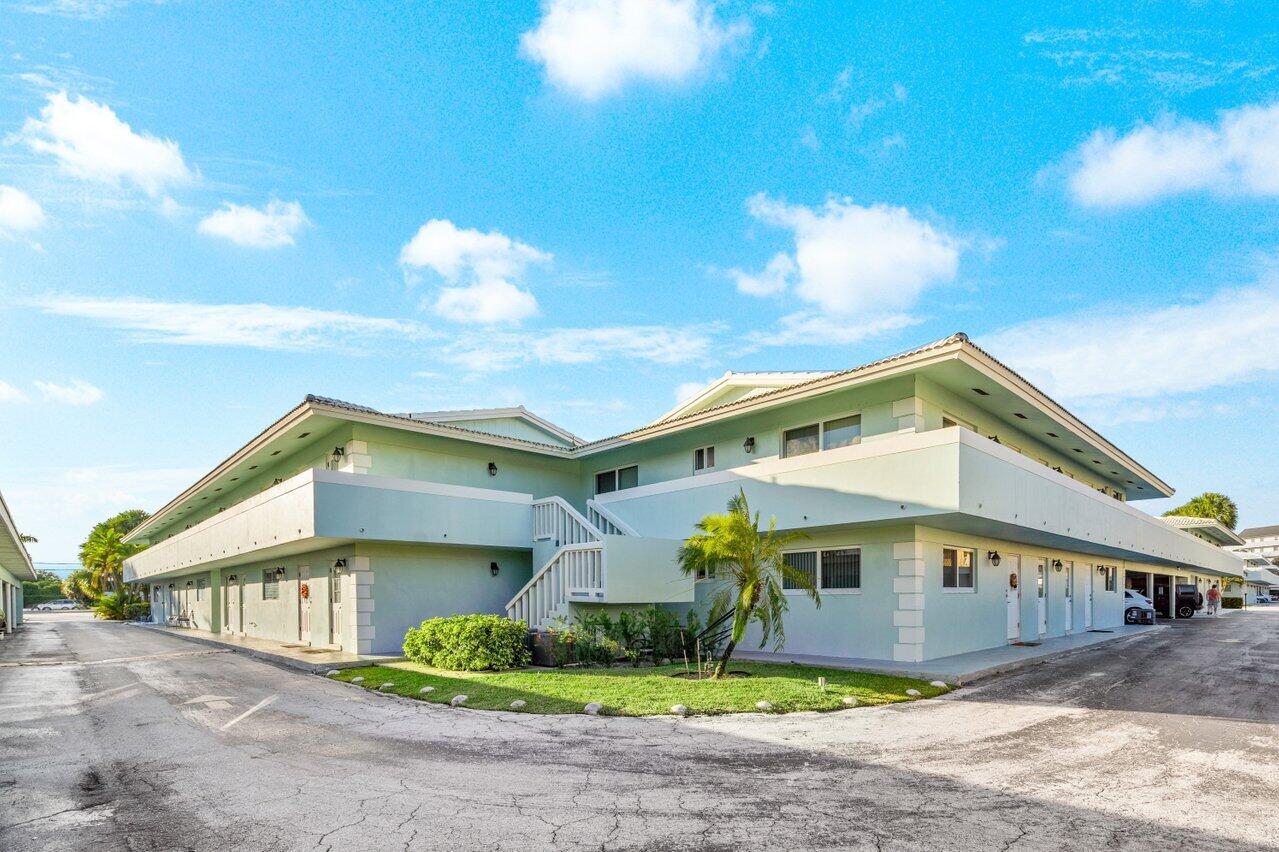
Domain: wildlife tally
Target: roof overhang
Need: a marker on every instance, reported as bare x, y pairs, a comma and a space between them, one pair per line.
518, 412
13, 553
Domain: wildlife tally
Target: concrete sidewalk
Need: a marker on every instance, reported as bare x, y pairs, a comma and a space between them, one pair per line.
961, 669
292, 655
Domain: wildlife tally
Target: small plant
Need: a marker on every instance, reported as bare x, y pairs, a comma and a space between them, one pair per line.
122, 605
1232, 603
468, 643
663, 631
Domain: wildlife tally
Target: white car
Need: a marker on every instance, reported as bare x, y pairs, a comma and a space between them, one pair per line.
1263, 598
1138, 609
60, 604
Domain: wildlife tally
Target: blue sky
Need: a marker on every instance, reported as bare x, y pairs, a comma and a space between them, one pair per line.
209, 210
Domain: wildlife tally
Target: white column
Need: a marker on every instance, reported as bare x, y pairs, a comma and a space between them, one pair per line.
908, 586
359, 631
356, 458
910, 414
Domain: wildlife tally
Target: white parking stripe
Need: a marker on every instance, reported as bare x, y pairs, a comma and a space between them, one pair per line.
255, 708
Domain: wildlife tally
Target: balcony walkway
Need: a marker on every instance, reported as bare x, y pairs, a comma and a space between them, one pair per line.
961, 669
290, 654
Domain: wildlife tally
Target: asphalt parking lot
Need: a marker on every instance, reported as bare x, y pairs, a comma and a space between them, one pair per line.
115, 737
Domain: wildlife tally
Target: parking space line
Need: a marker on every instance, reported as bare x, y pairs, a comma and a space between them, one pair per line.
255, 708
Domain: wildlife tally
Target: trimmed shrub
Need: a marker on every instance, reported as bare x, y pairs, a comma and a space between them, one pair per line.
1232, 603
468, 643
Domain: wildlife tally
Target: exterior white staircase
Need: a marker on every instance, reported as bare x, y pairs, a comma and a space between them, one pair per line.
575, 572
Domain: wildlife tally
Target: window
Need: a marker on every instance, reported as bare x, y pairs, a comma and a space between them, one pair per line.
843, 432
199, 588
958, 568
834, 570
704, 574
1112, 574
607, 481
947, 421
703, 459
270, 585
1070, 579
800, 441
828, 435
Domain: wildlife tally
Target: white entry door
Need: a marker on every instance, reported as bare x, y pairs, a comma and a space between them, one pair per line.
335, 602
1041, 591
304, 605
1014, 598
1088, 569
1068, 577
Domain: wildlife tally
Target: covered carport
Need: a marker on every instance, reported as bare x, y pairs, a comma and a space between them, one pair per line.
15, 566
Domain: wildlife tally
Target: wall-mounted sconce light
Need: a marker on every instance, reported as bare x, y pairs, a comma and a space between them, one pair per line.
171, 586
994, 558
232, 578
492, 469
1056, 564
493, 568
995, 438
1058, 469
341, 563
190, 582
1101, 569
749, 445
277, 481
339, 452
279, 572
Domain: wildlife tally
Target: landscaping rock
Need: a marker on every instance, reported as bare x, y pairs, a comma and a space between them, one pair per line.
331, 673
593, 709
517, 704
458, 700
388, 685
850, 701
666, 661
679, 710
913, 693
940, 684
357, 680
763, 705
426, 690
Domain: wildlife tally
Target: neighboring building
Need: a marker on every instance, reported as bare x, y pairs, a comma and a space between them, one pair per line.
15, 566
1261, 541
951, 506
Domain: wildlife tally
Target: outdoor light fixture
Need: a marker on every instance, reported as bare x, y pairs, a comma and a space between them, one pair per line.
232, 578
171, 586
749, 445
190, 582
995, 438
341, 563
492, 469
1057, 564
338, 452
993, 556
493, 568
1101, 569
279, 572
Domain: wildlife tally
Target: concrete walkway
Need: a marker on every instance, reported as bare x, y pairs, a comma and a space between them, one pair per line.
282, 653
961, 669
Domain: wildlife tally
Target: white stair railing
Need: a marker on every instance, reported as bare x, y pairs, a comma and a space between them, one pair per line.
607, 522
555, 519
574, 573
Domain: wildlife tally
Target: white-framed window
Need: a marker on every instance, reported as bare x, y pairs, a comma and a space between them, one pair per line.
959, 569
1069, 571
616, 479
948, 420
1112, 577
825, 435
704, 574
270, 585
833, 570
200, 585
703, 459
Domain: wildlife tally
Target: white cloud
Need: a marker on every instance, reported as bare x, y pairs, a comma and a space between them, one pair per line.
78, 392
85, 10
1236, 155
559, 346
594, 48
687, 390
854, 260
487, 302
1228, 338
273, 226
773, 279
484, 270
91, 143
8, 393
19, 212
808, 328
252, 325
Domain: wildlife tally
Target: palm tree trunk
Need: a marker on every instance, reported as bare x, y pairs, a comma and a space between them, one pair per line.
722, 666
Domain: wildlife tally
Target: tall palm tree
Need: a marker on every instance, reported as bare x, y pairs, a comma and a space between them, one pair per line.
1210, 504
752, 570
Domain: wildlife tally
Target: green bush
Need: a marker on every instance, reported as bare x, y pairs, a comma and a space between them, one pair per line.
1232, 603
468, 643
121, 606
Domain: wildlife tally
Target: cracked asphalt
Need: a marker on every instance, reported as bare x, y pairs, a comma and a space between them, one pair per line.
115, 737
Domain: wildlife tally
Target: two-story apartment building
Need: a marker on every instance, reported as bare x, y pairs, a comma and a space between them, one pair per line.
15, 566
950, 506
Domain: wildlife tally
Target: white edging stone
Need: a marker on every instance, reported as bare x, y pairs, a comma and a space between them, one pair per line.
850, 701
357, 680
458, 700
426, 690
913, 693
518, 704
679, 710
763, 705
593, 709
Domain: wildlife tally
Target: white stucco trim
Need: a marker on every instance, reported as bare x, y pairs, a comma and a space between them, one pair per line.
419, 486
908, 587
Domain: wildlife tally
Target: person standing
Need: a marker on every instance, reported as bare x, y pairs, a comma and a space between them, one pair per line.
1214, 599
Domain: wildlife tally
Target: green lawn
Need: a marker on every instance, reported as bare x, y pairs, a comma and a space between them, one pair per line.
645, 691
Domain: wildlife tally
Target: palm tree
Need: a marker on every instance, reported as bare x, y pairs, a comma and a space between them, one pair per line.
1212, 505
752, 570
103, 554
